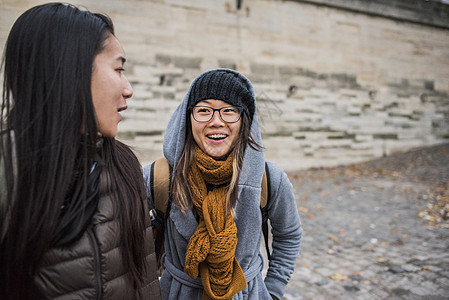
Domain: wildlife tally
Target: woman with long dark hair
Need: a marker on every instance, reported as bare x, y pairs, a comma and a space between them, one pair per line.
73, 214
213, 228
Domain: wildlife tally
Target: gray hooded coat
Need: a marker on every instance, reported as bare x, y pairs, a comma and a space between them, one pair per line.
282, 212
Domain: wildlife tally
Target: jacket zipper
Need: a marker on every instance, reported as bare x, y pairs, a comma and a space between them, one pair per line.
97, 263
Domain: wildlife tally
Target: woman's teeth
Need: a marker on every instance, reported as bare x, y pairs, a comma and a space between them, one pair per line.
217, 136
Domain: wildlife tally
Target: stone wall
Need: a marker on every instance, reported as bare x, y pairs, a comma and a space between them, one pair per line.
334, 84
428, 12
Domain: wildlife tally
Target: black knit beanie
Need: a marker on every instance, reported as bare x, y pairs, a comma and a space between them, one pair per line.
223, 85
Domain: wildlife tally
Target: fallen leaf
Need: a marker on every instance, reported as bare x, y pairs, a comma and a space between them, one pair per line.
303, 209
334, 239
338, 276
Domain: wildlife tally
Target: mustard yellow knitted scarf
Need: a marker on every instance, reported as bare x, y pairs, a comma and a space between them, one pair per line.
211, 248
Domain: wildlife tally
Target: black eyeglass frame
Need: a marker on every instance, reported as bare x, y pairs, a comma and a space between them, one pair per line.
240, 108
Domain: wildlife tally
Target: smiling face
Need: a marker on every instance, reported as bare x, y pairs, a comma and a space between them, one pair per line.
110, 88
216, 137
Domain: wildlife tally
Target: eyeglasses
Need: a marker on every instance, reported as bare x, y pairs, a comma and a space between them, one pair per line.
229, 114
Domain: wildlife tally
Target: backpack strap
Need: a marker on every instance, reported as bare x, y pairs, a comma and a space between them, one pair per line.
264, 193
160, 191
264, 200
160, 175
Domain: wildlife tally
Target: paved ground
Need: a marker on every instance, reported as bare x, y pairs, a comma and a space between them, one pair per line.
377, 230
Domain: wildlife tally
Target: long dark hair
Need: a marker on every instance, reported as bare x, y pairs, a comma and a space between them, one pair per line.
48, 133
180, 190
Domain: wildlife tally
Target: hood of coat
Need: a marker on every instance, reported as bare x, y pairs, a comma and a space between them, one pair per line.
174, 137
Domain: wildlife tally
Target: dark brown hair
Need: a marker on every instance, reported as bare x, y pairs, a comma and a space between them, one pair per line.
180, 190
49, 132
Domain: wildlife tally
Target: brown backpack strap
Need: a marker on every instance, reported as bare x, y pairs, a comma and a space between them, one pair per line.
264, 200
161, 184
161, 188
264, 193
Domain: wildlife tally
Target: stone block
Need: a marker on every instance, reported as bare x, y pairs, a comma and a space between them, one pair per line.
354, 111
361, 146
227, 63
363, 138
142, 71
170, 70
163, 60
144, 80
140, 96
442, 85
187, 62
335, 144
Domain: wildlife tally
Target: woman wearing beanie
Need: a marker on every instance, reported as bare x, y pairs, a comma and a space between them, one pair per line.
213, 224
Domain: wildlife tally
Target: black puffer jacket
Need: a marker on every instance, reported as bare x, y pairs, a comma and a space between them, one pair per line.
92, 267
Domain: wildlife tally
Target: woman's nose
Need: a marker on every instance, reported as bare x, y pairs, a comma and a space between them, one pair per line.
216, 119
128, 89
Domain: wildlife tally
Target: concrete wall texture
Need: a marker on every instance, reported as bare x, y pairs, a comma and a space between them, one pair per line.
336, 81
